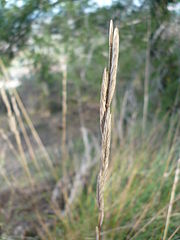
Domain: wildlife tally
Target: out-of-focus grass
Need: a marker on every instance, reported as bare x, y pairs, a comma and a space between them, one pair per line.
138, 190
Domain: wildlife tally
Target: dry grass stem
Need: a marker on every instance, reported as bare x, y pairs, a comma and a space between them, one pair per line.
27, 119
172, 235
107, 92
14, 130
6, 139
146, 82
176, 178
64, 112
33, 130
23, 129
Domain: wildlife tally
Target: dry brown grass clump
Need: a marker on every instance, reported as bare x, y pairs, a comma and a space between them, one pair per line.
107, 92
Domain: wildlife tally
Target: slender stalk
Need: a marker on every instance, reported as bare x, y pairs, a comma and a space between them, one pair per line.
64, 111
146, 82
176, 178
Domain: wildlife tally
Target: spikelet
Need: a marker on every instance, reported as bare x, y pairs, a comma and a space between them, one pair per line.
110, 43
104, 88
113, 71
107, 92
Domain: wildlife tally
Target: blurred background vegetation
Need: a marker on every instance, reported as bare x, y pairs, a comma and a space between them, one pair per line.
39, 40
